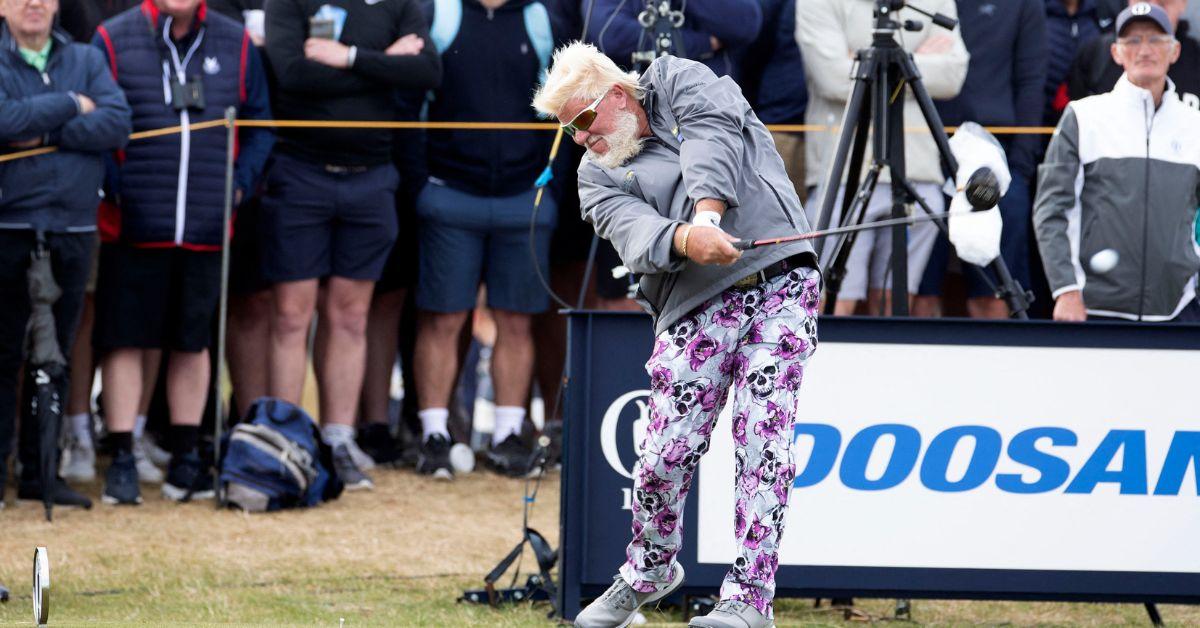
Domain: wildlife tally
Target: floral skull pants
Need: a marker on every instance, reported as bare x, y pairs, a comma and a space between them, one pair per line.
756, 342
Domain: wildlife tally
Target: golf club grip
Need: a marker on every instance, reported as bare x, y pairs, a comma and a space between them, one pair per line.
743, 245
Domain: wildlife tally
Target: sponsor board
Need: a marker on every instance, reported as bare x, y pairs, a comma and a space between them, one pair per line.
933, 459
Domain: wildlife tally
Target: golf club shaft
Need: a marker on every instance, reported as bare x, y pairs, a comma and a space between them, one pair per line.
743, 245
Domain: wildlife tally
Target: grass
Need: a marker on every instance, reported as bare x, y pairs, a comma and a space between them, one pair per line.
399, 556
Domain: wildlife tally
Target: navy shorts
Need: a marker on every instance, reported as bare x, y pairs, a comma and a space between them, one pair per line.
320, 220
1015, 209
465, 239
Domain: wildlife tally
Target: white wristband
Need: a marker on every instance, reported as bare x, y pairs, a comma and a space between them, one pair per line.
351, 56
707, 218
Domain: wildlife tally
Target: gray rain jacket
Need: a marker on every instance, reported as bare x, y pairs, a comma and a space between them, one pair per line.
707, 143
1121, 175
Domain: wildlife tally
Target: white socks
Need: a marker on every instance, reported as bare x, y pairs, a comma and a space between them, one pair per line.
508, 422
337, 434
81, 425
433, 421
139, 427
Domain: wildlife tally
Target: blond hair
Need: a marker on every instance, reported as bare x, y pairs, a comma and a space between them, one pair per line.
580, 71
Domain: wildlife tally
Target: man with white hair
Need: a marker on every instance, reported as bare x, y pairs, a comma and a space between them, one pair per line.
677, 167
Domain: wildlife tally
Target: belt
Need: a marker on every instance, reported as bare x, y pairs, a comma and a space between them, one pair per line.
799, 260
336, 169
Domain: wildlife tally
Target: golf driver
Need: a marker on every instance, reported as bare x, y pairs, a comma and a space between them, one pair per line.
982, 192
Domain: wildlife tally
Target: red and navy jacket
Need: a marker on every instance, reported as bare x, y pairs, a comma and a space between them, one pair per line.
170, 189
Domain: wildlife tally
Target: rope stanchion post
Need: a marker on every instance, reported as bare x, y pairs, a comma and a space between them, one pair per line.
230, 122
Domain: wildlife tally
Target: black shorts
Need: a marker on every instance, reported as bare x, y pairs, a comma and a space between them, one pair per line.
320, 220
245, 251
156, 298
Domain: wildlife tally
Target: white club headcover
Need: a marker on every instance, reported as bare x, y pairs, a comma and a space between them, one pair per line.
977, 237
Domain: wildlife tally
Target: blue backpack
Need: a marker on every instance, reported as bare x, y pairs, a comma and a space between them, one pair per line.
276, 459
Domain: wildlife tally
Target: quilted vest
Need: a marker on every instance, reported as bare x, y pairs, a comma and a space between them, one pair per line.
172, 187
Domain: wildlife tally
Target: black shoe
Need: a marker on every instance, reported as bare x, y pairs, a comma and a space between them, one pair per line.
511, 457
348, 472
377, 442
63, 495
187, 479
121, 482
434, 458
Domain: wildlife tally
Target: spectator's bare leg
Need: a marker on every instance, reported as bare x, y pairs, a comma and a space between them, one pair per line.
987, 307
436, 356
151, 361
121, 374
292, 312
248, 346
845, 307
79, 398
512, 358
383, 343
927, 306
344, 314
187, 386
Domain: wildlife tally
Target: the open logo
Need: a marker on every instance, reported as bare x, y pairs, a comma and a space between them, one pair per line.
608, 430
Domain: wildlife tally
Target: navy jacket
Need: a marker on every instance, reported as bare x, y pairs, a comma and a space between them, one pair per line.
489, 73
772, 75
1065, 35
615, 30
171, 188
308, 90
58, 191
1007, 75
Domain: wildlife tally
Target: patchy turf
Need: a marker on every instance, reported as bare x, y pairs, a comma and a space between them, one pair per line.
399, 556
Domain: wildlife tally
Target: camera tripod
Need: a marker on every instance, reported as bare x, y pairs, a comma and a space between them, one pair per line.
660, 25
877, 100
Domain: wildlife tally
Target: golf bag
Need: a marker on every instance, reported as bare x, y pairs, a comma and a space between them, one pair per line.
277, 460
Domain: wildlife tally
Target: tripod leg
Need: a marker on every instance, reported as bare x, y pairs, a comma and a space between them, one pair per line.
853, 112
835, 268
843, 244
1152, 611
895, 158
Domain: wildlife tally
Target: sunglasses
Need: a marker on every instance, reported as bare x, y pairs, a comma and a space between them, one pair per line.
584, 119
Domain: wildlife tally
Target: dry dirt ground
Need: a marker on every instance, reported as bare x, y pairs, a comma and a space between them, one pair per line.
399, 556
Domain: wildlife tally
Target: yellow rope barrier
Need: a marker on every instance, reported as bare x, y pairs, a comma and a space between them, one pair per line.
466, 126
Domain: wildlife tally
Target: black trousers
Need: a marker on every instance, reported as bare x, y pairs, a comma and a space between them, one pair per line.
71, 259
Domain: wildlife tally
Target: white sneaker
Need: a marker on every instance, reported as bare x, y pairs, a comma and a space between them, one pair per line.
79, 462
159, 456
148, 473
360, 457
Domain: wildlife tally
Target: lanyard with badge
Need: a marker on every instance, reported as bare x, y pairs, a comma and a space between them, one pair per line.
179, 90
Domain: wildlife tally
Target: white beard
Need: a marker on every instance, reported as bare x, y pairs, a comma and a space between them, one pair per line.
623, 143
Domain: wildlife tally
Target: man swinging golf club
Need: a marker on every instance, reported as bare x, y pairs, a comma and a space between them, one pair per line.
678, 165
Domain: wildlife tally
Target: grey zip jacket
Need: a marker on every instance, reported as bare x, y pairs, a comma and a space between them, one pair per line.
707, 143
1120, 175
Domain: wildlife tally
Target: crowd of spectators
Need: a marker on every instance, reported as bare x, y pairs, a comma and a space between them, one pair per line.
342, 230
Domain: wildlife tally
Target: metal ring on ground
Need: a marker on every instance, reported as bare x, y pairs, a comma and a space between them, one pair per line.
41, 586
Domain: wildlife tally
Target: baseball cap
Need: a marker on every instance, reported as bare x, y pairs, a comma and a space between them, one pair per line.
1145, 12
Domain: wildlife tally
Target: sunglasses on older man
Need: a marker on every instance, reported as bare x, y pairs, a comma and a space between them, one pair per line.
584, 119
